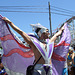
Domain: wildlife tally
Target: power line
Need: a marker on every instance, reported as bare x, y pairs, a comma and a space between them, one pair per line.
62, 9
24, 6
36, 6
61, 14
35, 12
23, 11
29, 7
58, 11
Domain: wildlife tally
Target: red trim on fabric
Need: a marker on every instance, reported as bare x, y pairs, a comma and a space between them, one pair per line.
57, 57
63, 43
24, 54
20, 52
21, 45
9, 37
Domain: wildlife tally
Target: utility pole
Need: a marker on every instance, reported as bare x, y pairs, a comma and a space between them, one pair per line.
50, 19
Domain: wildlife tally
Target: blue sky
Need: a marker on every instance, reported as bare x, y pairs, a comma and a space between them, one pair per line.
24, 19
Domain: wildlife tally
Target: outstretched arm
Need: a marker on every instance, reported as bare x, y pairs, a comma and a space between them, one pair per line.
23, 34
56, 35
60, 31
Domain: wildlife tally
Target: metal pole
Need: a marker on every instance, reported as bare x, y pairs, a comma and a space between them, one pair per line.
50, 19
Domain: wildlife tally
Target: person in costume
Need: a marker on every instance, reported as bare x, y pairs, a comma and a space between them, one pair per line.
69, 61
73, 60
43, 34
41, 46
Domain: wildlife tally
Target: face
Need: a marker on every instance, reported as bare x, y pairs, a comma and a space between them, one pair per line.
46, 34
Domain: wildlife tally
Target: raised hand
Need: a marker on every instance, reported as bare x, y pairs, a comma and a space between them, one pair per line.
6, 19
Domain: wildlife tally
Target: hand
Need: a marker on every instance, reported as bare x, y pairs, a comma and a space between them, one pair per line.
73, 17
60, 31
6, 19
62, 28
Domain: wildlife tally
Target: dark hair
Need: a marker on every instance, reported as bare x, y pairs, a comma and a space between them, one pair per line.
74, 47
37, 30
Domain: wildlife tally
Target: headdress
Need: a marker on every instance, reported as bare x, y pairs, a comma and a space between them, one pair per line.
38, 28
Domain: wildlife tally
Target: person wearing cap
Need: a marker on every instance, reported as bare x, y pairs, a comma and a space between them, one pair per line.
39, 45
